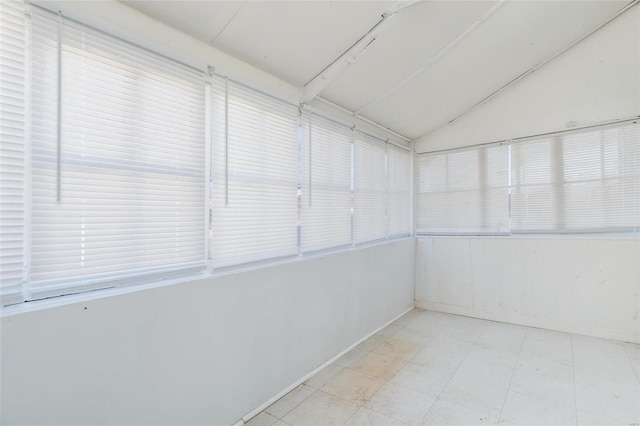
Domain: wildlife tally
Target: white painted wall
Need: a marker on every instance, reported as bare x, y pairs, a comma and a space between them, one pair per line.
201, 352
597, 80
579, 285
583, 285
207, 351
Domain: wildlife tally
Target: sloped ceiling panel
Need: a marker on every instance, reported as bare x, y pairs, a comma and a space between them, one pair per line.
203, 20
405, 43
517, 37
295, 40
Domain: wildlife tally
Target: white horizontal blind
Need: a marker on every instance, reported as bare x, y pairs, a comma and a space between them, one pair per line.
12, 149
123, 193
369, 188
465, 191
398, 191
585, 181
326, 183
494, 189
533, 201
255, 176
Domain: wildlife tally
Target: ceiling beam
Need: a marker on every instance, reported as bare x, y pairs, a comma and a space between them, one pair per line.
316, 85
433, 59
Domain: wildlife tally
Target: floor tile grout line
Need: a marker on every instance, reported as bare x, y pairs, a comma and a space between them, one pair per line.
315, 390
573, 372
387, 381
346, 367
635, 372
524, 338
480, 333
351, 416
466, 355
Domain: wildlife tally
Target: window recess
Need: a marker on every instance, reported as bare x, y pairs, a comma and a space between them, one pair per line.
13, 150
463, 191
585, 181
325, 183
254, 184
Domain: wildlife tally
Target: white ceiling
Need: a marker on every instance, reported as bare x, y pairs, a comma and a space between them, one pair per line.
295, 40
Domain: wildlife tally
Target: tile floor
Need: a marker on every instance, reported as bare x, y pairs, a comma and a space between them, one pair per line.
429, 368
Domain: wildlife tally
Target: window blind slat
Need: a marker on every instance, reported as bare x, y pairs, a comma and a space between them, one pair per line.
254, 188
326, 184
463, 192
580, 182
12, 149
132, 160
398, 191
369, 189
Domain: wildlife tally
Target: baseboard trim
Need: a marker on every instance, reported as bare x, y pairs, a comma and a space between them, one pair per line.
297, 383
531, 322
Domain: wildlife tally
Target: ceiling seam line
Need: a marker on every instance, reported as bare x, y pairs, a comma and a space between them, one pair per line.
347, 50
229, 22
434, 58
389, 13
544, 62
313, 87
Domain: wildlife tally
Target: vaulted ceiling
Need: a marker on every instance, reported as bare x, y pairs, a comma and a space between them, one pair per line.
420, 68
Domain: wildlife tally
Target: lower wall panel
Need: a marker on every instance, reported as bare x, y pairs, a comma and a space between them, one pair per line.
580, 285
203, 352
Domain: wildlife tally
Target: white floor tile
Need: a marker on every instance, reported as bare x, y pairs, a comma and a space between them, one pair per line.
586, 418
353, 386
590, 353
486, 371
428, 380
366, 417
350, 357
547, 366
498, 355
506, 337
442, 369
554, 389
633, 353
479, 396
522, 409
428, 322
379, 366
417, 336
400, 348
435, 358
466, 332
608, 393
329, 372
409, 317
401, 403
321, 409
444, 413
450, 344
291, 400
263, 419
548, 344
371, 343
389, 330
